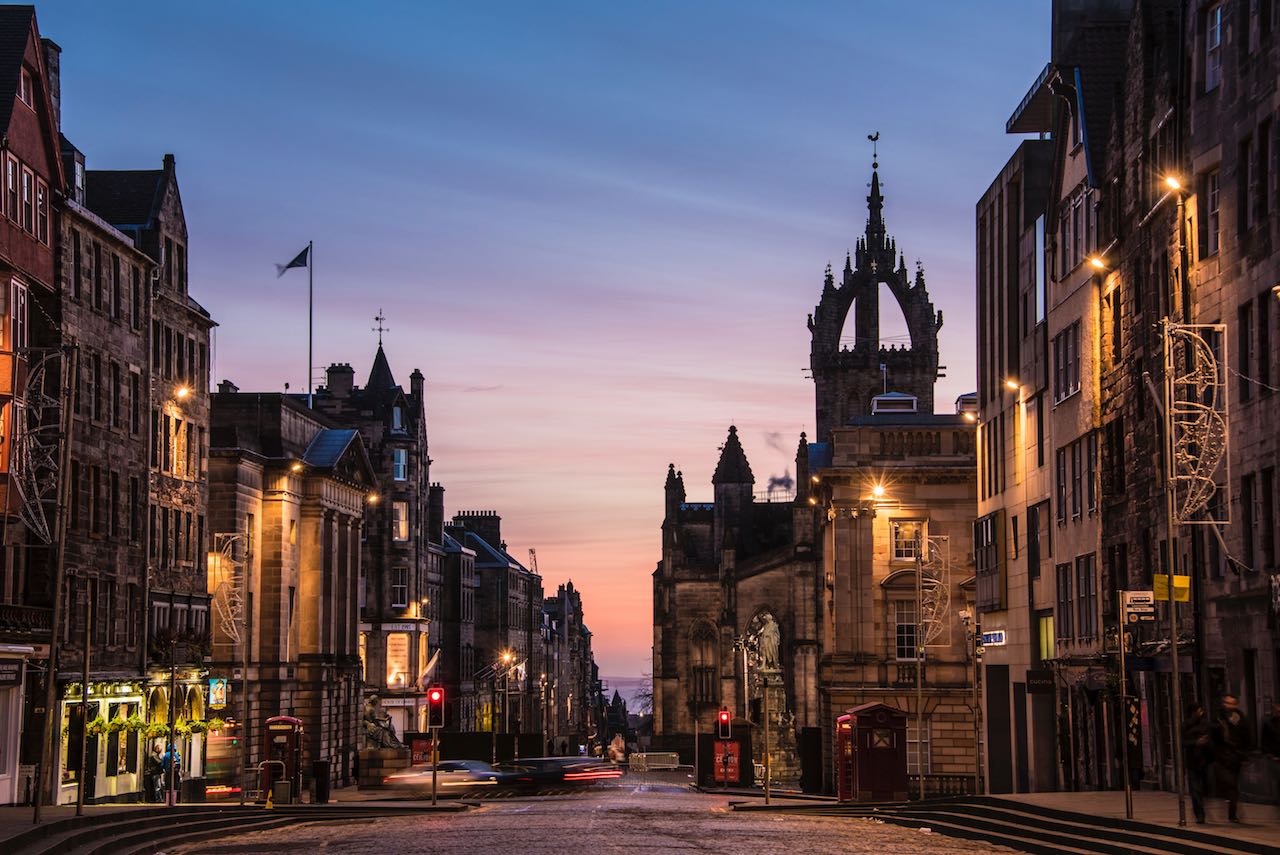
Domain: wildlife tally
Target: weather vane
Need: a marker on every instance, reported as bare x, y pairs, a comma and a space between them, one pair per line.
380, 329
875, 158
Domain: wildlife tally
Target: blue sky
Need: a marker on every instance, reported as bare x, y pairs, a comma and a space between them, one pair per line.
596, 227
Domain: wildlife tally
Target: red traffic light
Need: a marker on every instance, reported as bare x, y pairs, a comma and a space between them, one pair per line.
724, 716
435, 696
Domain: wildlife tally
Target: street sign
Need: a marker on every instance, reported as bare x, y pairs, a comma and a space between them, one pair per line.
1139, 606
993, 638
1181, 587
1039, 682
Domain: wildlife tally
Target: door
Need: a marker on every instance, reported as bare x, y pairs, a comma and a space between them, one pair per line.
999, 747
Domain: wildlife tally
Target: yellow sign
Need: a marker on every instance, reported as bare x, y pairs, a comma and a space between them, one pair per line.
1181, 588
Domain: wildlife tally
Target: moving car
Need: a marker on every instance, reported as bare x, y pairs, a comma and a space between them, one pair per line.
533, 772
450, 775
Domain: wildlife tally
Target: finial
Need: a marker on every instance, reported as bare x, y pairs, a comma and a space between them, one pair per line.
380, 329
875, 157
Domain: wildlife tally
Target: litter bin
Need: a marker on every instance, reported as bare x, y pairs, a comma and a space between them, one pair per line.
320, 774
280, 792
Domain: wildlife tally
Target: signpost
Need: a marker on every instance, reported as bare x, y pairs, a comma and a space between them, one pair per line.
1135, 607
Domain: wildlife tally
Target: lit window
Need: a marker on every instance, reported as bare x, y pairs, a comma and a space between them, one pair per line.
906, 539
400, 464
400, 520
1048, 649
398, 659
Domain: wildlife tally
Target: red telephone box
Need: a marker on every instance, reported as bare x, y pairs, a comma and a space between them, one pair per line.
871, 754
282, 743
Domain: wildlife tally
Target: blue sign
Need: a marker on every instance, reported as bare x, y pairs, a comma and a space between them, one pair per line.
993, 638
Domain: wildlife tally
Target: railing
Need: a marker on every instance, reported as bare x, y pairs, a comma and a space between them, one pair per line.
942, 785
779, 494
25, 619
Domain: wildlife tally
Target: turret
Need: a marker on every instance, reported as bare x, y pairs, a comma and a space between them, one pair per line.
733, 483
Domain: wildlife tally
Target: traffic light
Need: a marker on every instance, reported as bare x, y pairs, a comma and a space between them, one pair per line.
724, 724
435, 707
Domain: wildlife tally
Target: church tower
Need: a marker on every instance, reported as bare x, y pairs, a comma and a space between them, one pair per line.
847, 375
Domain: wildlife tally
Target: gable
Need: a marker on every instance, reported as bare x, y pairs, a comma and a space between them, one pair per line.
30, 131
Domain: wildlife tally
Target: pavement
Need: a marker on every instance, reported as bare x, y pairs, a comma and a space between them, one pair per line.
1258, 823
608, 817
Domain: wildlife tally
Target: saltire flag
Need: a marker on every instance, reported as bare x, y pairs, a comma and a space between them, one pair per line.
300, 260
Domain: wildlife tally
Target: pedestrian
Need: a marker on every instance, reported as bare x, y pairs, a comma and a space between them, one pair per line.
1232, 740
171, 760
151, 774
1197, 748
1270, 744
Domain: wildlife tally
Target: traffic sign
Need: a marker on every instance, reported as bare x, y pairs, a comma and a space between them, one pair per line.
1139, 606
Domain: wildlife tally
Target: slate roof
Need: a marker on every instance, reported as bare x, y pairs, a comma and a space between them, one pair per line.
733, 467
15, 27
1099, 52
125, 197
328, 446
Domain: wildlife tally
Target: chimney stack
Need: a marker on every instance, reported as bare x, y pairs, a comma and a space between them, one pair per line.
340, 377
415, 384
435, 514
53, 68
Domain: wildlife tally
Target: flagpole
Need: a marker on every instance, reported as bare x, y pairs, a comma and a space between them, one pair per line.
311, 325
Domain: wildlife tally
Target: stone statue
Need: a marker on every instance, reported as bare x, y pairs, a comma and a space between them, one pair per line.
379, 732
768, 644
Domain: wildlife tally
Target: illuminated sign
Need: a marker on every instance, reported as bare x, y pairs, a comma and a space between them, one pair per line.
217, 693
993, 638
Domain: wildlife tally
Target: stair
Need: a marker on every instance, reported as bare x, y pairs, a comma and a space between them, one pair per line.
1031, 828
147, 830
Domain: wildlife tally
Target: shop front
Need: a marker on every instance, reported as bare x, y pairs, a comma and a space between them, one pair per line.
101, 742
13, 660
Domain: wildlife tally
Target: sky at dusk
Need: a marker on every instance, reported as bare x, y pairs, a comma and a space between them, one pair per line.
597, 227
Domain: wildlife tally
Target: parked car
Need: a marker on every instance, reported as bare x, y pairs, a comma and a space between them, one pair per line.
450, 774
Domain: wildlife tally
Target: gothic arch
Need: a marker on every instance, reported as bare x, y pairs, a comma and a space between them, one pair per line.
703, 663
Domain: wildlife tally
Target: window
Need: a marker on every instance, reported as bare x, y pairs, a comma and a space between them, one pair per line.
99, 389
117, 293
1064, 615
988, 558
906, 539
1091, 472
11, 188
904, 633
918, 751
26, 89
1076, 492
19, 317
399, 520
1248, 520
1213, 213
135, 510
1263, 375
77, 265
705, 690
1213, 48
1267, 518
135, 402
28, 201
1060, 471
400, 464
399, 587
113, 505
1244, 353
116, 420
293, 532
1066, 362
97, 275
42, 211
397, 418
1086, 598
135, 308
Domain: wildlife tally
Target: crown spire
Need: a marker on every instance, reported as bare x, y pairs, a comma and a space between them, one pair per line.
875, 201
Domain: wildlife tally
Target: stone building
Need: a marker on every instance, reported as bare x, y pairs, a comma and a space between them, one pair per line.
457, 668
1137, 93
566, 678
289, 496
32, 172
146, 205
1015, 585
508, 619
806, 605
403, 561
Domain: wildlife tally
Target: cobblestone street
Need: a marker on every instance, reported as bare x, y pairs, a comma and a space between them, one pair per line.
608, 819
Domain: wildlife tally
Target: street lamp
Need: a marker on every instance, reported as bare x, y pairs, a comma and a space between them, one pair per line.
878, 491
182, 392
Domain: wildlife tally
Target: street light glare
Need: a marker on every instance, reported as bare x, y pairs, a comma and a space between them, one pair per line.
1011, 384
878, 491
182, 392
970, 417
1097, 263
1172, 183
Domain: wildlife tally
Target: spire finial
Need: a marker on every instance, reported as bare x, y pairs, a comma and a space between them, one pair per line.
380, 329
875, 158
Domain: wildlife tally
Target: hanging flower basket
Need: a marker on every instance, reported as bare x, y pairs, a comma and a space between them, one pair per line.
97, 726
117, 725
182, 728
197, 726
134, 723
156, 730
217, 724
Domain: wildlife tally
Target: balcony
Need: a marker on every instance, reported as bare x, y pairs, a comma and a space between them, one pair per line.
25, 622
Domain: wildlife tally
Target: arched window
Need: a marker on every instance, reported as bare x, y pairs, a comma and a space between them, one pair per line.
702, 642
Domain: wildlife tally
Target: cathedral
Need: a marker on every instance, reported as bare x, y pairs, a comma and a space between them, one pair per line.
790, 609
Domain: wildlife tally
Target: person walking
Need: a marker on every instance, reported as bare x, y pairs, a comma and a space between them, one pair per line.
1232, 739
1270, 745
172, 759
1197, 748
151, 775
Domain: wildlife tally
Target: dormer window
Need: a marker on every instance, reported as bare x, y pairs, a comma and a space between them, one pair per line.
397, 418
25, 89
